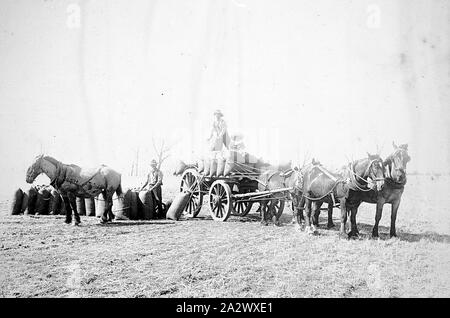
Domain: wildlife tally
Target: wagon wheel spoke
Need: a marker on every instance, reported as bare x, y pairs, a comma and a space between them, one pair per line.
220, 200
190, 182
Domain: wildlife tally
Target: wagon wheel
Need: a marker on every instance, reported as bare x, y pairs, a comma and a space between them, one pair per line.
277, 205
241, 208
220, 201
190, 181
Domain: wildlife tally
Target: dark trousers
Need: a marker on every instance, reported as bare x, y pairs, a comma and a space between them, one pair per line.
157, 195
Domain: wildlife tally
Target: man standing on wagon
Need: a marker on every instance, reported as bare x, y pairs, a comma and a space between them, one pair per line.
219, 134
154, 183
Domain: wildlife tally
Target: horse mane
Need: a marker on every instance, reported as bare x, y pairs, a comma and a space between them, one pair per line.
53, 160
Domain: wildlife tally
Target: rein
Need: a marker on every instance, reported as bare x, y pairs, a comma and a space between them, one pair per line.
355, 183
329, 175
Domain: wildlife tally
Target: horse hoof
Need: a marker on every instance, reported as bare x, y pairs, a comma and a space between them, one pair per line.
67, 221
330, 226
102, 221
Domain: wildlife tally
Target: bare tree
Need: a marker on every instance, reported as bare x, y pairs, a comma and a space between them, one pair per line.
162, 152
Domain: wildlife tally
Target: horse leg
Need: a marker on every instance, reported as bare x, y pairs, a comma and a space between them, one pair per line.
109, 205
307, 215
300, 209
377, 218
354, 229
294, 209
73, 204
66, 200
104, 218
277, 216
264, 211
394, 210
330, 223
316, 214
342, 230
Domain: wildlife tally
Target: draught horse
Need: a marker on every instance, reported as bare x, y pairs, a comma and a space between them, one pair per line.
276, 180
321, 185
395, 181
73, 181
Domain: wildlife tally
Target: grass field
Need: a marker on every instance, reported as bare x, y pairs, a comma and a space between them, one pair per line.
43, 257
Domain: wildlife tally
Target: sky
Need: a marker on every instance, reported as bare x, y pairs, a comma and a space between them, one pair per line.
91, 82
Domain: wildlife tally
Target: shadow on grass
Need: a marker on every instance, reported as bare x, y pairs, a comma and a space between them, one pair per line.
365, 231
134, 223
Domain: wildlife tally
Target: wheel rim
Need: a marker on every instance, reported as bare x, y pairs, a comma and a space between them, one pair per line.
220, 201
190, 182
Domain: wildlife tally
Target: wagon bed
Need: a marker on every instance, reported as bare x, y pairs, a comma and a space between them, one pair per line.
226, 195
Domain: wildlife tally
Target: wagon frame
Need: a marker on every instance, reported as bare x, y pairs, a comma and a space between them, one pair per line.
226, 195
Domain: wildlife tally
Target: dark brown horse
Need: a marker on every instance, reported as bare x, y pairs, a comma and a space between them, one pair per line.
362, 180
321, 185
73, 181
391, 193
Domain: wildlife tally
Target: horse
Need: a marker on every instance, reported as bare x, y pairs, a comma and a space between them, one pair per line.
298, 201
321, 185
361, 181
275, 180
73, 181
391, 193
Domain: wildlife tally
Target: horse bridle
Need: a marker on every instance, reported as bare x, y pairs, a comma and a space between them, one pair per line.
392, 163
366, 174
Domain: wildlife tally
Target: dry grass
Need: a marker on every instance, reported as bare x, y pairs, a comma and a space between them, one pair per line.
42, 257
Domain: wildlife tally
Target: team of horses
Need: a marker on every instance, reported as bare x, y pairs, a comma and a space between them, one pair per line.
371, 179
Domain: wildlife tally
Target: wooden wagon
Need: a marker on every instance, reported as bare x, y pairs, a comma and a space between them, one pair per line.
233, 194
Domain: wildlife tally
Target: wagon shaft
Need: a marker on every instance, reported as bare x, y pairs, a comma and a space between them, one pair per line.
260, 193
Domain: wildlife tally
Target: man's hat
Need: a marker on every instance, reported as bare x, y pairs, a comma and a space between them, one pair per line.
153, 162
218, 112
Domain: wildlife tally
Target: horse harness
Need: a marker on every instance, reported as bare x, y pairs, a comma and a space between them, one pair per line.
61, 177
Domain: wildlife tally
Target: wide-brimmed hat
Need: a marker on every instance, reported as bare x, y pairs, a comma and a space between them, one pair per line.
218, 112
153, 162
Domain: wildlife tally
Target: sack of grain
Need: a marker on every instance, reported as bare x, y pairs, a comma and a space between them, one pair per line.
121, 205
213, 167
176, 208
55, 203
16, 203
134, 211
81, 206
42, 201
145, 205
200, 165
166, 205
32, 198
90, 206
100, 205
24, 206
237, 157
220, 167
207, 163
179, 168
